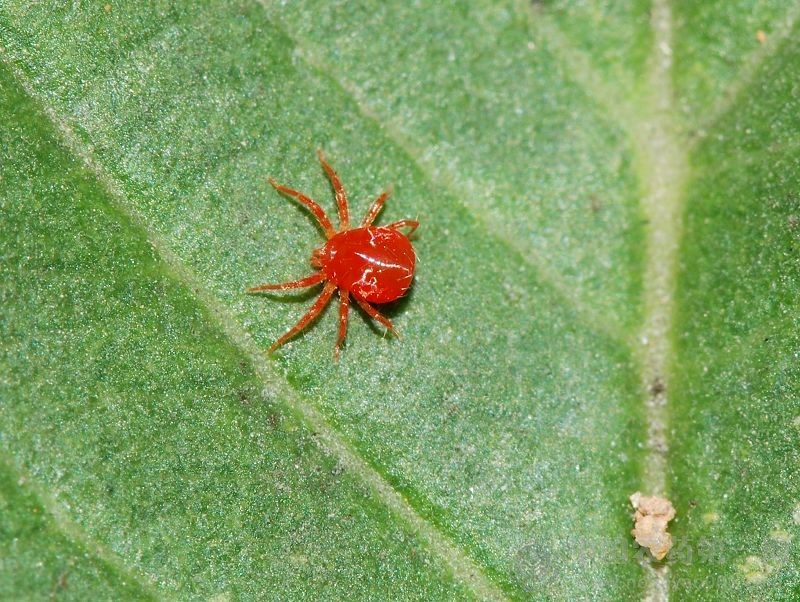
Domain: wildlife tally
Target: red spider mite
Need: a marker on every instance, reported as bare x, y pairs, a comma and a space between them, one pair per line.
373, 264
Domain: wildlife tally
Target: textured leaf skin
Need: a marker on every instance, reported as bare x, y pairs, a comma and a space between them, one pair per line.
150, 449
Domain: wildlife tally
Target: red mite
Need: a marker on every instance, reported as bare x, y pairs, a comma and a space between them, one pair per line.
373, 264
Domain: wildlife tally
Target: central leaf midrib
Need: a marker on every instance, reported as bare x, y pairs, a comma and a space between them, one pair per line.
662, 162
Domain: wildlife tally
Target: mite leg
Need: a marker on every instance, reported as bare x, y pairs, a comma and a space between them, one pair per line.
318, 212
285, 286
341, 197
344, 311
312, 313
405, 223
375, 208
376, 315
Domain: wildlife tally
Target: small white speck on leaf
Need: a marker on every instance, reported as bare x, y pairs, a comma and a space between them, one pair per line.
780, 535
755, 569
710, 517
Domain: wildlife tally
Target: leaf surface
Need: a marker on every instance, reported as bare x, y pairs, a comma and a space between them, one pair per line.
605, 301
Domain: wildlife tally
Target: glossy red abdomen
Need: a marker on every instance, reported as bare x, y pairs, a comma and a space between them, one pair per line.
375, 264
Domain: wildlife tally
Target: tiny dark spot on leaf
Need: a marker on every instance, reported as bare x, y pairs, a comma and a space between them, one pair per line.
657, 387
60, 584
452, 410
695, 135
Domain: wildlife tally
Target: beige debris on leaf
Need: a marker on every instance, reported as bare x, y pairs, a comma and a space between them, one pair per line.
650, 527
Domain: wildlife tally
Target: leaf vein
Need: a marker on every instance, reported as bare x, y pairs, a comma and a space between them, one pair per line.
74, 532
460, 563
750, 70
587, 316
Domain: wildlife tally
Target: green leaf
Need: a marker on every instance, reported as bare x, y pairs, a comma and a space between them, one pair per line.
606, 300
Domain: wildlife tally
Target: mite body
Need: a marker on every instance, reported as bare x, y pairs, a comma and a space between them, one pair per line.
371, 264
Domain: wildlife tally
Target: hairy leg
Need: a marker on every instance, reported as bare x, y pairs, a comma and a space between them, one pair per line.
312, 313
285, 286
405, 223
376, 315
344, 312
341, 197
318, 212
375, 209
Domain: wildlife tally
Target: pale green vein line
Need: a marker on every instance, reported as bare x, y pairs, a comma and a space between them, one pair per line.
444, 178
462, 566
663, 167
580, 70
749, 71
75, 533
